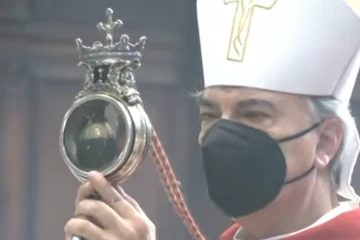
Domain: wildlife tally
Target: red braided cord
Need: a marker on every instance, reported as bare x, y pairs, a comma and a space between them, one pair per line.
171, 184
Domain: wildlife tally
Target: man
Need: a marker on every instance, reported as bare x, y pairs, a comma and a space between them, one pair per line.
279, 144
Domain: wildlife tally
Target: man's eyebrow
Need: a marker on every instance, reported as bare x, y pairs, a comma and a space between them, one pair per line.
204, 102
242, 104
256, 102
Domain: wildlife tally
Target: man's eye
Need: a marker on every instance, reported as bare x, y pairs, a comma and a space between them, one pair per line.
256, 115
207, 116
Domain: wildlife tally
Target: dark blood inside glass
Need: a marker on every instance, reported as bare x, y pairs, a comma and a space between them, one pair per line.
94, 154
96, 146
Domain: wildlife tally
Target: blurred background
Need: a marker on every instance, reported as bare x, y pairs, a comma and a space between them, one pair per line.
38, 82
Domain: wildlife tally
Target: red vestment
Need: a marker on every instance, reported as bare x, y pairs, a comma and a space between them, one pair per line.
345, 226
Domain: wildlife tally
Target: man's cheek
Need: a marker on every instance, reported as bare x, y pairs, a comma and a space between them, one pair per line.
297, 158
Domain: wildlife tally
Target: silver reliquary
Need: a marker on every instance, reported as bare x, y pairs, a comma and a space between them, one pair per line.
106, 128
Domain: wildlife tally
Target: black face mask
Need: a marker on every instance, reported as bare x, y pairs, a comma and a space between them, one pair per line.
245, 168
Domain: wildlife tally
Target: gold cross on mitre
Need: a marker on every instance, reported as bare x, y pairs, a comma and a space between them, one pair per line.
242, 23
109, 26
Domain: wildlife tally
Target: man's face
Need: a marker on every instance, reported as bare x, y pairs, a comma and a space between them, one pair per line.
280, 115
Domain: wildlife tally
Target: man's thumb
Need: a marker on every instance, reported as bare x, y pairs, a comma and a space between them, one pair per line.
107, 192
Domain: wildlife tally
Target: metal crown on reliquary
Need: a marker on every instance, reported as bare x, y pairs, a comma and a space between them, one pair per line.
110, 66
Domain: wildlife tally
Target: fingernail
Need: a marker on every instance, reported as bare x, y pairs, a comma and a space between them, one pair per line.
93, 174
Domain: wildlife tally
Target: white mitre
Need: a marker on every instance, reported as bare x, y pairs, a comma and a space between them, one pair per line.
309, 47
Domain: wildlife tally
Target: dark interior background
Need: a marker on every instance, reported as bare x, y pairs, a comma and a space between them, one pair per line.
38, 82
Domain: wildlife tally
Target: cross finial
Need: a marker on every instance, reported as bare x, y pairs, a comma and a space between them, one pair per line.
109, 26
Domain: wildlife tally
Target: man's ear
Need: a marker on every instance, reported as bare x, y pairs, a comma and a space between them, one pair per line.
331, 133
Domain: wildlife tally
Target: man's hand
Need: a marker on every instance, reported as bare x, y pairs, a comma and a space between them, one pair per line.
116, 217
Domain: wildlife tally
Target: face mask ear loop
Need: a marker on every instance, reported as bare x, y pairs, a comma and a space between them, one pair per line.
306, 131
300, 134
301, 176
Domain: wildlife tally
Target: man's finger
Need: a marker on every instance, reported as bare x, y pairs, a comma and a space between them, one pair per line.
84, 229
127, 197
84, 191
108, 193
111, 196
100, 213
